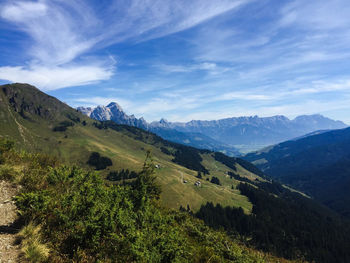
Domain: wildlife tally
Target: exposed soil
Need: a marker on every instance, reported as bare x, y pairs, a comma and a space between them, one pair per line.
9, 250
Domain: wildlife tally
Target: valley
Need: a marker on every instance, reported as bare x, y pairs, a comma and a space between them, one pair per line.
225, 192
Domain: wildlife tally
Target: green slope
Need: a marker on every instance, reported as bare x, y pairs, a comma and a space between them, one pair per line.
30, 116
273, 218
317, 164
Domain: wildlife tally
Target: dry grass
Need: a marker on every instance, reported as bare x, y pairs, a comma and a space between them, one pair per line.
34, 250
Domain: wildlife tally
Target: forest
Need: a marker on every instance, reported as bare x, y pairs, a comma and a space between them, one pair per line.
284, 223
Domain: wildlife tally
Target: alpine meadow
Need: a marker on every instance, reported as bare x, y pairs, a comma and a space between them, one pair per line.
174, 131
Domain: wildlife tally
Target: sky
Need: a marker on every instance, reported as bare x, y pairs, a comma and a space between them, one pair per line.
181, 59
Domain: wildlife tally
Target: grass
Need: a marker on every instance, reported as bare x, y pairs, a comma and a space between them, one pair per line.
75, 145
33, 249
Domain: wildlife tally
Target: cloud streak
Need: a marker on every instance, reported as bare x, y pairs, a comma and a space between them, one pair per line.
61, 32
54, 77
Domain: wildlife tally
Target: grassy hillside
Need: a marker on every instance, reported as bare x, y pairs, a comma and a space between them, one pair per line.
263, 213
317, 165
70, 215
31, 118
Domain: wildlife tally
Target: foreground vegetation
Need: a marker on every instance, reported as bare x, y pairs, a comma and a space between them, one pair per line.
73, 215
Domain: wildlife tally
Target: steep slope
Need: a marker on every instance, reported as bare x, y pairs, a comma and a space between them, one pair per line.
115, 113
44, 124
187, 176
74, 216
317, 164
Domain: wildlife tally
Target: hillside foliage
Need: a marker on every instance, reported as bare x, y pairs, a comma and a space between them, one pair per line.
317, 165
284, 223
83, 219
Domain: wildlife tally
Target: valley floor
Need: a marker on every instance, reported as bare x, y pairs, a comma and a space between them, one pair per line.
9, 251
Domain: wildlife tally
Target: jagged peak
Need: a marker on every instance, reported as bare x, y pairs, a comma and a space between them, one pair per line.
114, 105
162, 120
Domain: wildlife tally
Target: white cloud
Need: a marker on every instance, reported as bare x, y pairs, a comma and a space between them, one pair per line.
245, 96
157, 18
19, 11
102, 101
58, 32
56, 77
315, 14
62, 31
207, 66
290, 110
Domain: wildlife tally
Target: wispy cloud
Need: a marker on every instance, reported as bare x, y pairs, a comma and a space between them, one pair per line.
102, 101
61, 32
206, 66
58, 32
183, 59
314, 14
51, 78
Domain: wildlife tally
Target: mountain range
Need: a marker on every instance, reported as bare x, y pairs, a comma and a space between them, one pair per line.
41, 123
115, 113
226, 193
229, 135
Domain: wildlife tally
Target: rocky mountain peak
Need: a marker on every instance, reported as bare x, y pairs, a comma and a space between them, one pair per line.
114, 105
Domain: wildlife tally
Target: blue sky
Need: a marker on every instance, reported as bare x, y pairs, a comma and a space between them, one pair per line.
183, 60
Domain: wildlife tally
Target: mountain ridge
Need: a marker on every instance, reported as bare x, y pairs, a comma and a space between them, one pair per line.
236, 186
317, 165
245, 132
41, 123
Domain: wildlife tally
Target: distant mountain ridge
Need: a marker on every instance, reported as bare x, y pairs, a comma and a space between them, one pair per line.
115, 113
255, 130
318, 164
246, 133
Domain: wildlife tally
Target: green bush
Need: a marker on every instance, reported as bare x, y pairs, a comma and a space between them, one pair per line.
62, 126
100, 162
5, 146
7, 173
215, 180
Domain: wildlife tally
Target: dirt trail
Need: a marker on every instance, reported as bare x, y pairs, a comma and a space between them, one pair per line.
9, 251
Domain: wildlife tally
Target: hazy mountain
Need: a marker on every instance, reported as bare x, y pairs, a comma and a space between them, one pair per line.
197, 140
226, 135
115, 113
255, 132
318, 165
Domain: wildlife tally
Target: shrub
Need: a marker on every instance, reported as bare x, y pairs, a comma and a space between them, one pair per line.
62, 126
215, 180
35, 252
99, 161
6, 145
165, 150
121, 175
32, 247
7, 173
